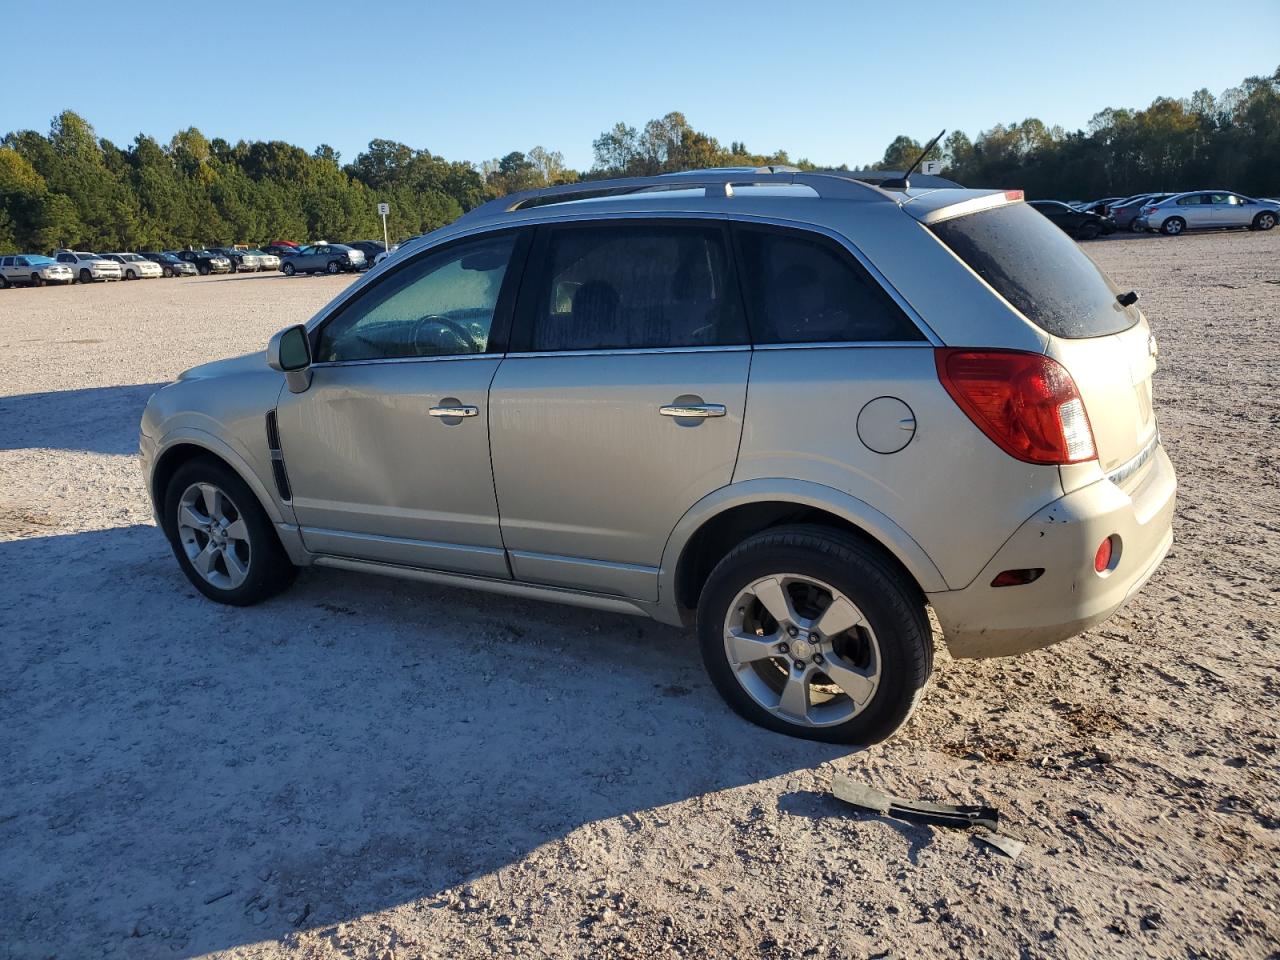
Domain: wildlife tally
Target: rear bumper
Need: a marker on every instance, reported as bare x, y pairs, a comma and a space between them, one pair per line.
1070, 597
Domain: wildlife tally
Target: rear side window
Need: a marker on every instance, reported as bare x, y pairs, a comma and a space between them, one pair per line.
1038, 269
632, 286
802, 288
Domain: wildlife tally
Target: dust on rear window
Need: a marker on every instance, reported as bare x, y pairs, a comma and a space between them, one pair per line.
1039, 269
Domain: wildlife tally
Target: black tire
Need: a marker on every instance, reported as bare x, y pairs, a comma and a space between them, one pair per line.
1134, 228
1264, 221
4, 281
892, 605
1088, 231
270, 569
202, 269
1173, 227
333, 267
86, 276
166, 272
288, 269
37, 280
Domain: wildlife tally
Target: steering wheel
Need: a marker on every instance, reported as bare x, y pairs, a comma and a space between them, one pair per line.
459, 332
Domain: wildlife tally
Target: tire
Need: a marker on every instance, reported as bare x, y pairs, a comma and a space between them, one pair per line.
333, 267
1134, 228
4, 281
202, 269
288, 269
1173, 226
166, 272
249, 568
86, 276
37, 280
1264, 221
1088, 231
130, 275
889, 649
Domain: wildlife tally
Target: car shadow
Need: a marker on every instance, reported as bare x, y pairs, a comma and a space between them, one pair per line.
94, 419
180, 776
824, 806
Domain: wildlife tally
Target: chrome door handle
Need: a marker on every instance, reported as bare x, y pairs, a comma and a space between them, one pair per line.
462, 410
692, 410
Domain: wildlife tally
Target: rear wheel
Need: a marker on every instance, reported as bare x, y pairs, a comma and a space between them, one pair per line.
222, 537
4, 281
1264, 221
333, 267
288, 269
37, 280
1173, 226
811, 632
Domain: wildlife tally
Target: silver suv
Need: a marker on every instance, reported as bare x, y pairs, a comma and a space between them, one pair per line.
790, 408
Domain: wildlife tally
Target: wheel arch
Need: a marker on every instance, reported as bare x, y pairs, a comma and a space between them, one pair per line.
726, 517
189, 444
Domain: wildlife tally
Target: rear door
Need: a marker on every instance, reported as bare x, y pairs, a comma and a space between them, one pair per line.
621, 402
1196, 209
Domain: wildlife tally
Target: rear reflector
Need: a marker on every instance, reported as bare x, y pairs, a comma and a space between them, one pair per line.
1026, 403
1013, 194
1102, 559
1014, 578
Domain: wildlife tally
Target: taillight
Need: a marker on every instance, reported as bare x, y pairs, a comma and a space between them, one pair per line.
1026, 403
1148, 210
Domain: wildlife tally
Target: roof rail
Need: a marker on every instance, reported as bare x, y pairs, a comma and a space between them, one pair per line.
831, 185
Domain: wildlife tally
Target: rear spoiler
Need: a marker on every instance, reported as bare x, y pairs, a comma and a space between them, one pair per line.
933, 207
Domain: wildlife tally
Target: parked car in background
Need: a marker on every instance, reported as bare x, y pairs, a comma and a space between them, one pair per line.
1125, 213
266, 261
134, 266
33, 269
89, 267
370, 249
1080, 224
280, 247
205, 261
793, 435
1204, 209
242, 260
170, 264
323, 257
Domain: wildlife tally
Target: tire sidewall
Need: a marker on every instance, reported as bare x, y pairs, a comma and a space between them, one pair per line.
287, 269
269, 567
904, 671
1260, 222
1165, 227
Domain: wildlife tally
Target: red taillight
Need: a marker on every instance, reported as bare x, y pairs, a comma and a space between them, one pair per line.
1013, 194
1102, 559
1025, 402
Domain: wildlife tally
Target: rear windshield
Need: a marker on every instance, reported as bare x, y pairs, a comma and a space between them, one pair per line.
1039, 269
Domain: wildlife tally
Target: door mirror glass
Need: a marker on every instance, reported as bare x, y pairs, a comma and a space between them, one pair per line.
289, 350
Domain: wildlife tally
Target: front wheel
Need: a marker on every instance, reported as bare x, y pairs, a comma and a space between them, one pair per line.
1088, 231
811, 632
1173, 226
222, 537
288, 269
130, 275
1264, 221
4, 281
1134, 227
86, 276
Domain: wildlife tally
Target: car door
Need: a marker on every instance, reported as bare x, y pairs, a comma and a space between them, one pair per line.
1197, 210
620, 404
7, 268
387, 451
1235, 211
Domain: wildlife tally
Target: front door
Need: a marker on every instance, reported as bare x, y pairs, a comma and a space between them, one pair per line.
387, 451
621, 403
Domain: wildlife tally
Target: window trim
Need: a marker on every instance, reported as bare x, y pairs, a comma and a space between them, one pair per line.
537, 263
499, 330
845, 252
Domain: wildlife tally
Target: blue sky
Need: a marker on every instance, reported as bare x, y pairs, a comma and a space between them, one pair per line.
832, 82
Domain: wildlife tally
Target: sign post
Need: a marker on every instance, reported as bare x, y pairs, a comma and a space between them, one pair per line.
384, 209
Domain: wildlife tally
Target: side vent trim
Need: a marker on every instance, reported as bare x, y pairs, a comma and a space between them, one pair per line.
277, 458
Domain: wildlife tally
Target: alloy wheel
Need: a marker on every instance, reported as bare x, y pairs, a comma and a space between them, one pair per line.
214, 535
802, 650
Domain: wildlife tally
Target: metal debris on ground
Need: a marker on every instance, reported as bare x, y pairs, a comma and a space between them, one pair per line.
963, 817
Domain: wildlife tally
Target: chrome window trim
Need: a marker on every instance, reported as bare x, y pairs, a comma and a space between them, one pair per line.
581, 215
322, 364
613, 351
848, 345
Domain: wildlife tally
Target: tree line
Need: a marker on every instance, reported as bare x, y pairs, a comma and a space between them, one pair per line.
68, 187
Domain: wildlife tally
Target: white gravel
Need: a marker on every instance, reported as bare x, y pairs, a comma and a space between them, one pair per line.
372, 768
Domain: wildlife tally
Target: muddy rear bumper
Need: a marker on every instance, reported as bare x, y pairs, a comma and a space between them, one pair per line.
1070, 596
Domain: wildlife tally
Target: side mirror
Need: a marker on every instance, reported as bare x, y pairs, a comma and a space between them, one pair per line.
289, 351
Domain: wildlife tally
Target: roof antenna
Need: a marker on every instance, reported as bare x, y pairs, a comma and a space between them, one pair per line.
902, 183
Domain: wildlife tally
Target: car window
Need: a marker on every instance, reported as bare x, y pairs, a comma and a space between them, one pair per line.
618, 286
1192, 200
439, 305
1216, 198
1038, 269
803, 288
6, 262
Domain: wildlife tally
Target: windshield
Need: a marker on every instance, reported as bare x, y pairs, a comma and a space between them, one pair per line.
1039, 269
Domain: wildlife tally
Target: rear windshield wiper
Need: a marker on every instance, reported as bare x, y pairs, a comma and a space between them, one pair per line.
1127, 299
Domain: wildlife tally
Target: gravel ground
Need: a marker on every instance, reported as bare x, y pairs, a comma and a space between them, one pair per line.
372, 768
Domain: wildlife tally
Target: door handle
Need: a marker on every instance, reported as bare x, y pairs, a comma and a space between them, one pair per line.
461, 410
691, 410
